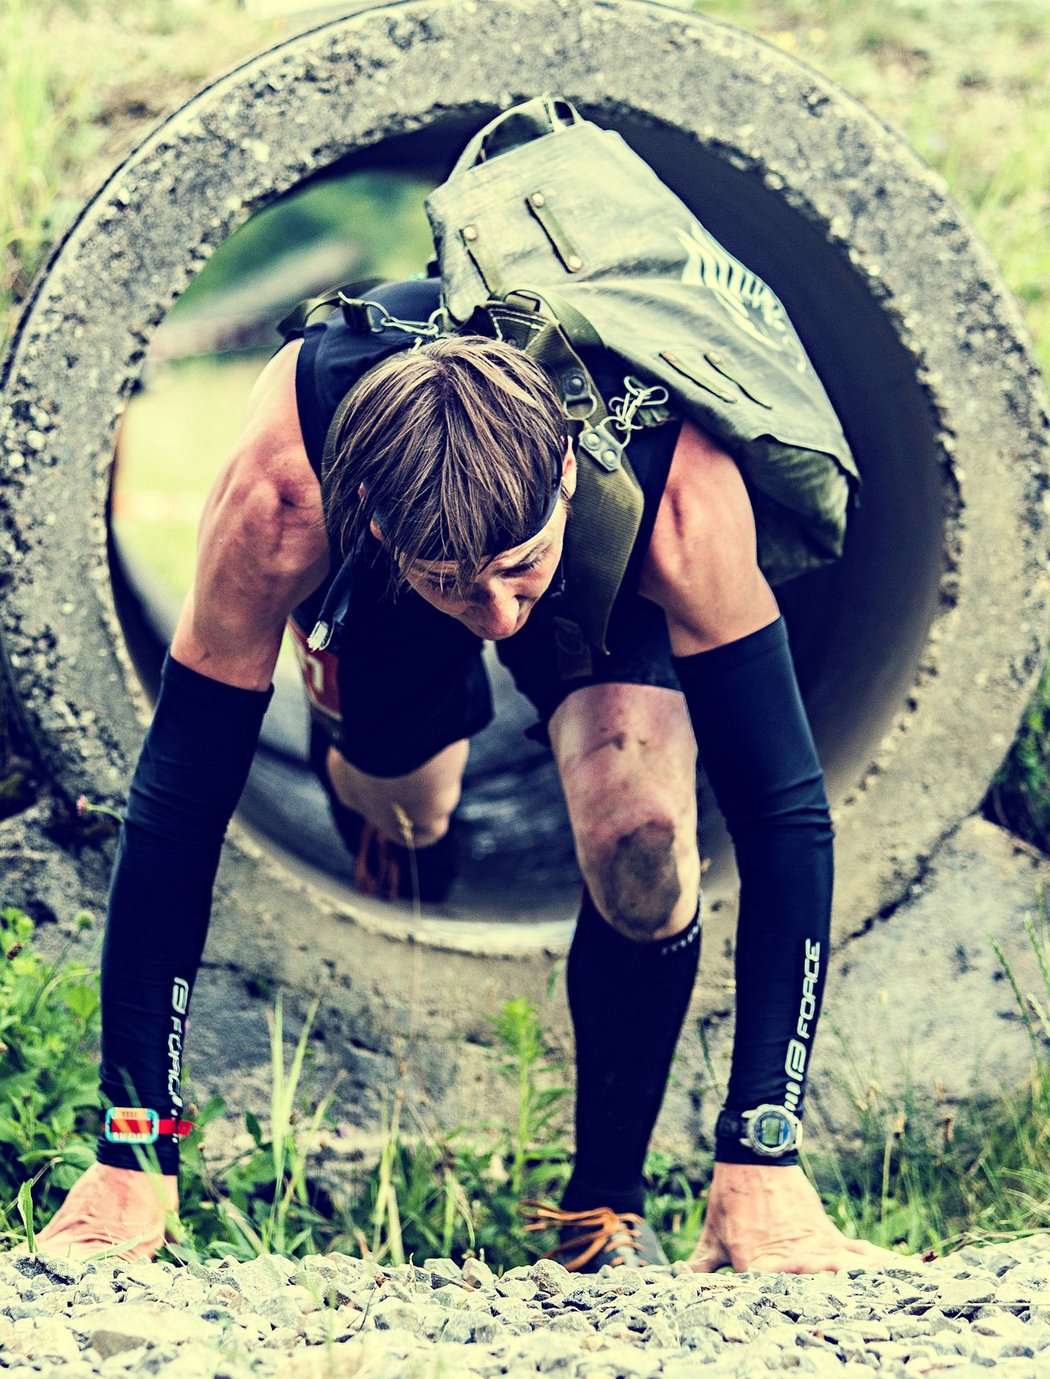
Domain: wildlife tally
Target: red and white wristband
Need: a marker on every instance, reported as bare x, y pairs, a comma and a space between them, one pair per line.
141, 1125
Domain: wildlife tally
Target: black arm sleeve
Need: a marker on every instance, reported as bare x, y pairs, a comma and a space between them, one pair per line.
189, 777
757, 749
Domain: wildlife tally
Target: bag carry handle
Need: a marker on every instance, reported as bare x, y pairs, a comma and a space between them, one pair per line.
520, 125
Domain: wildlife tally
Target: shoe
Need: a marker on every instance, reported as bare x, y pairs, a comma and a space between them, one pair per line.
588, 1240
386, 869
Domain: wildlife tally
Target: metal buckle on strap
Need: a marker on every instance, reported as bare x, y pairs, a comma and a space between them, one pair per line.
368, 317
577, 395
603, 445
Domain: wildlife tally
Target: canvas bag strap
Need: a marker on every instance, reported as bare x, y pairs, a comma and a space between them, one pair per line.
608, 504
350, 297
519, 125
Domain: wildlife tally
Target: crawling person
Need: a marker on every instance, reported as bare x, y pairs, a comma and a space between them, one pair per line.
442, 526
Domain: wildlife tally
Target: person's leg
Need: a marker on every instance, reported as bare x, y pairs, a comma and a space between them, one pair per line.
627, 760
392, 716
413, 809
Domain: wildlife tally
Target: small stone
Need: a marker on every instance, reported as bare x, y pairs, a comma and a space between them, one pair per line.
522, 1289
461, 1327
477, 1274
569, 1322
186, 1293
444, 1271
253, 1323
51, 1341
107, 1344
155, 1277
50, 1267
451, 1295
392, 1314
287, 1307
551, 1277
282, 1336
511, 1309
662, 1331
127, 1326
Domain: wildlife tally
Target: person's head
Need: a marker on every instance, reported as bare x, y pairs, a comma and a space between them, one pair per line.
455, 455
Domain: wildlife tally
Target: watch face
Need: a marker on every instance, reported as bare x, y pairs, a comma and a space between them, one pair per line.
771, 1131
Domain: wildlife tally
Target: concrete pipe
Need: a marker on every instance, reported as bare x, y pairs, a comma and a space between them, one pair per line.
916, 652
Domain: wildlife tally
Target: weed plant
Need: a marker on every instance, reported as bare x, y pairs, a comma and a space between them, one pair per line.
49, 1096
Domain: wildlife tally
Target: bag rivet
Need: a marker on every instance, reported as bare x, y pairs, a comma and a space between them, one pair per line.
470, 232
537, 198
575, 263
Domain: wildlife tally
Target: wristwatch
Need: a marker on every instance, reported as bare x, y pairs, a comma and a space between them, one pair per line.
769, 1130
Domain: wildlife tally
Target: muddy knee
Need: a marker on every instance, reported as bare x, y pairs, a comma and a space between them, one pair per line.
635, 880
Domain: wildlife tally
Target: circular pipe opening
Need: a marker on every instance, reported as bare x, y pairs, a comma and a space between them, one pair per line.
916, 652
858, 628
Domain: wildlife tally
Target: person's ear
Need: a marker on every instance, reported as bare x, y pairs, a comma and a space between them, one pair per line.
374, 528
569, 472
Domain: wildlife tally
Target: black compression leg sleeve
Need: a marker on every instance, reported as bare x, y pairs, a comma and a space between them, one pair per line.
757, 749
628, 1001
193, 766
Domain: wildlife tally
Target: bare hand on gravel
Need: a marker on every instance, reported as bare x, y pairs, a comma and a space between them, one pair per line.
770, 1218
117, 1211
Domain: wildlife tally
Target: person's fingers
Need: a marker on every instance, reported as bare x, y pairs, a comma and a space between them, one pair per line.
865, 1250
83, 1238
774, 1262
821, 1256
708, 1255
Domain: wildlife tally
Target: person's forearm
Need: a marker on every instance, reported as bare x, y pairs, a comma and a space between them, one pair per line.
190, 775
758, 752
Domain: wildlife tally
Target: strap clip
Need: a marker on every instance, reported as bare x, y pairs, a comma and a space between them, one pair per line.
603, 445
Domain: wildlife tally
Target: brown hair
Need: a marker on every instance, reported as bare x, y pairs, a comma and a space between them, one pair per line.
458, 447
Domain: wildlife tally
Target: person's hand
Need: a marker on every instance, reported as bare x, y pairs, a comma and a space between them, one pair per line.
767, 1217
120, 1212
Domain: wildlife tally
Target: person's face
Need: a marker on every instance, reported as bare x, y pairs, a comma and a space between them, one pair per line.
499, 600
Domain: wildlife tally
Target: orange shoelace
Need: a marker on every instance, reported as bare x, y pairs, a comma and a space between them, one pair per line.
599, 1229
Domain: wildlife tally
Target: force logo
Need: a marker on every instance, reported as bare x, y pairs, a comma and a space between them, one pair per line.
795, 1060
180, 999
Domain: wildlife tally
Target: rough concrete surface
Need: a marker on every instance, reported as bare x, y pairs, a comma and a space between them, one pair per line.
918, 652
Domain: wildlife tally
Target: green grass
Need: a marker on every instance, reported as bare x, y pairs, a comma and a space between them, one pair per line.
80, 83
919, 1180
967, 84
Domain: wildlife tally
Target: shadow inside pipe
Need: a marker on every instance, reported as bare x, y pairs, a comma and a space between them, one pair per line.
858, 628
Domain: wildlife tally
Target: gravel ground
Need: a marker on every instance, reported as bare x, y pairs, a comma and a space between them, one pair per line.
334, 1316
